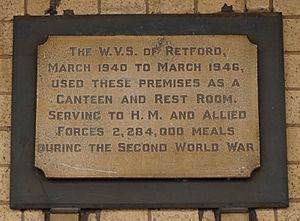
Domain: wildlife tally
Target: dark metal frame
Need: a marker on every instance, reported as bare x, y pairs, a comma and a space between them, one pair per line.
266, 188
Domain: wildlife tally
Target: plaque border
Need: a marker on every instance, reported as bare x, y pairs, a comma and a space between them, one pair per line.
267, 186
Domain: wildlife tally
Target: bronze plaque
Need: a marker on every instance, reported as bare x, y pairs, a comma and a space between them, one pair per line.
147, 107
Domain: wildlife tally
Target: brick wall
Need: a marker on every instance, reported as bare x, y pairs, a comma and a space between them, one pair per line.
291, 12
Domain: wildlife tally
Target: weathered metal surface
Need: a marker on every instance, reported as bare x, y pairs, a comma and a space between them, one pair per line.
147, 106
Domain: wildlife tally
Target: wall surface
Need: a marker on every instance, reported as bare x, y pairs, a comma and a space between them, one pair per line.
291, 15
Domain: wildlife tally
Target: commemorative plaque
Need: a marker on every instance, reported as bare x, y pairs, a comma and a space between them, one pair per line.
147, 106
148, 111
